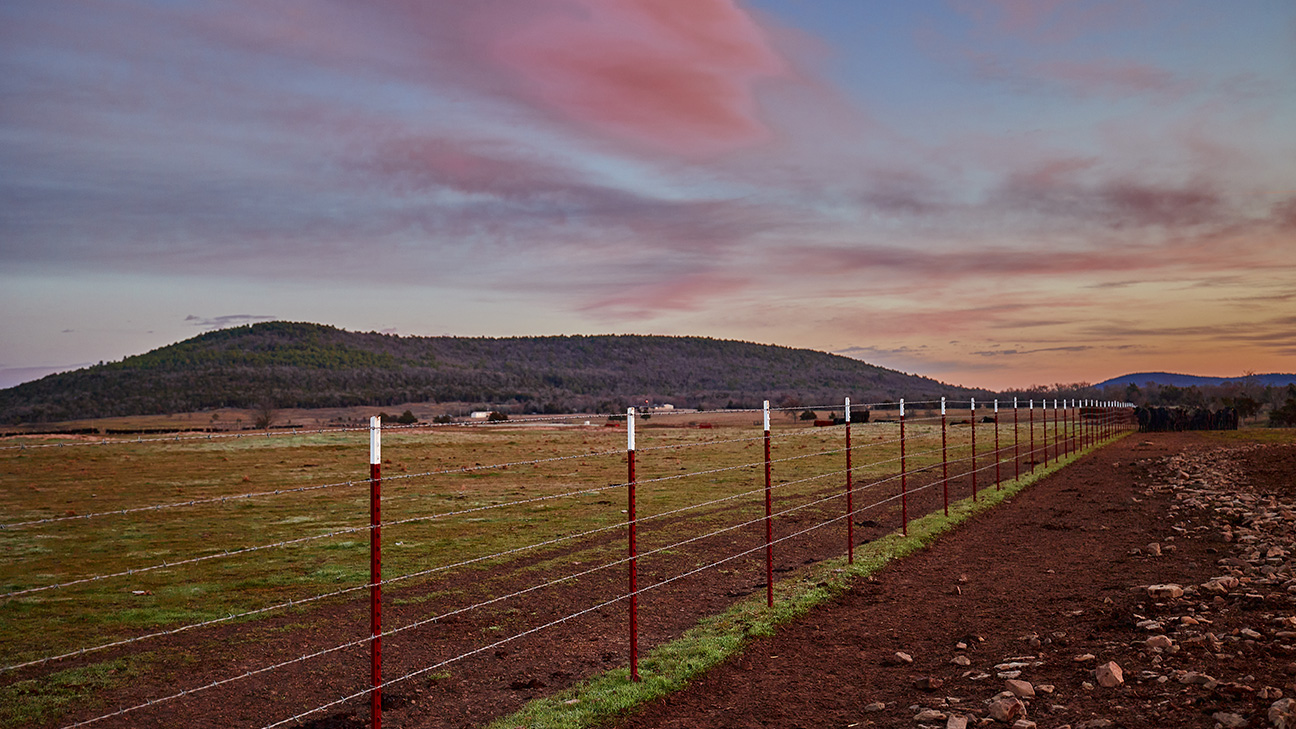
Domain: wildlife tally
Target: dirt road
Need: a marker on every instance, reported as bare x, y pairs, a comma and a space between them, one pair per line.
1047, 589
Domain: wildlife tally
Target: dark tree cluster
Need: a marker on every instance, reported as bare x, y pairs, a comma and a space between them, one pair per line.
1163, 419
277, 365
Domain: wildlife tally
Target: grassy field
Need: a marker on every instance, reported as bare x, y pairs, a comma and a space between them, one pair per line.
450, 494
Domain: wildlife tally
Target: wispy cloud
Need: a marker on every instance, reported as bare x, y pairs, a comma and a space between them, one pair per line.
677, 75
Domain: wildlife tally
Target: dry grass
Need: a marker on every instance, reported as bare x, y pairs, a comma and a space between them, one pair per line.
426, 472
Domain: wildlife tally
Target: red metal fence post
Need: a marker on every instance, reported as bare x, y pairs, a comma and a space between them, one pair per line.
944, 459
904, 476
1069, 410
769, 517
1016, 444
998, 453
1084, 425
1046, 428
1032, 434
1090, 439
633, 546
972, 409
1075, 426
1064, 445
850, 503
375, 571
1059, 431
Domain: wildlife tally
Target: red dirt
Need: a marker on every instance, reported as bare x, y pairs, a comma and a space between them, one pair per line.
1056, 563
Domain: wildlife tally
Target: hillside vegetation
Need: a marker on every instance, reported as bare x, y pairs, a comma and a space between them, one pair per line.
290, 364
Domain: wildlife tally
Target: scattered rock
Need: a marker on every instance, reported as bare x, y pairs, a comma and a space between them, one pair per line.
928, 683
961, 661
1007, 710
1282, 714
900, 658
1021, 689
1159, 641
930, 715
1084, 658
1229, 720
1109, 675
875, 706
956, 722
1023, 724
1165, 592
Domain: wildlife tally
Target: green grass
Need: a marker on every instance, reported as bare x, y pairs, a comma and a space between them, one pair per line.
670, 667
1277, 436
35, 701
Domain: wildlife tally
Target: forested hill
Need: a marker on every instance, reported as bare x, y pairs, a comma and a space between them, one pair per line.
288, 364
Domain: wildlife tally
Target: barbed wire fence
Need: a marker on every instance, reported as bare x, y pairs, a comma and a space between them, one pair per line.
833, 485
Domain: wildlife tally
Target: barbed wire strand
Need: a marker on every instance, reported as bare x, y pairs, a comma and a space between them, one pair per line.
416, 624
559, 621
299, 602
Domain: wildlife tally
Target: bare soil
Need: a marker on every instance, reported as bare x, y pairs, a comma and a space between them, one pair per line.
1060, 572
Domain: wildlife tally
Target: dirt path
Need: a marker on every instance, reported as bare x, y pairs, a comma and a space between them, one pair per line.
1059, 573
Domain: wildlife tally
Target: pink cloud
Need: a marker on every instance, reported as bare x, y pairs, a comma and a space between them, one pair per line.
419, 163
675, 75
1284, 215
683, 293
1112, 78
1049, 21
1105, 78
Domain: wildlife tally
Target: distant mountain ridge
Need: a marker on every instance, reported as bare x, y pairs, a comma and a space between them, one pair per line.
296, 364
1168, 378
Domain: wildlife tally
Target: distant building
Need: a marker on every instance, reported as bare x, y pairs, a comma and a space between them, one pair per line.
480, 414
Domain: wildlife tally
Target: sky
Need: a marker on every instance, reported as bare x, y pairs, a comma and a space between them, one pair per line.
994, 193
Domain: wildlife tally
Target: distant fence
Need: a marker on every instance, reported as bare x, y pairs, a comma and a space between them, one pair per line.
717, 501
